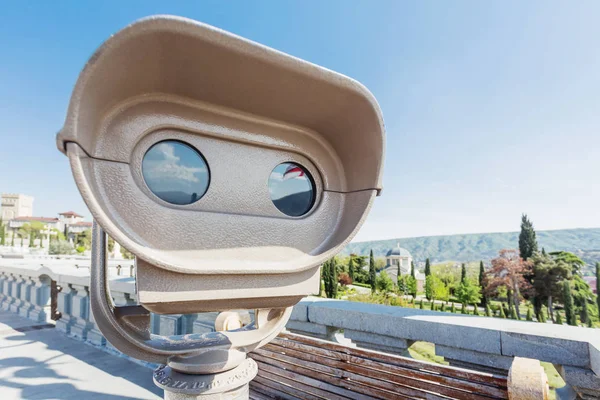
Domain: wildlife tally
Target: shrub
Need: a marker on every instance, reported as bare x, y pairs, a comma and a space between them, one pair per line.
344, 279
60, 247
80, 249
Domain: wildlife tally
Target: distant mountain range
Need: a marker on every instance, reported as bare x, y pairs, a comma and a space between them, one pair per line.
484, 246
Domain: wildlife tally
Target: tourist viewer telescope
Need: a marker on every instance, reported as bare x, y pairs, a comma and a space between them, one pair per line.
231, 171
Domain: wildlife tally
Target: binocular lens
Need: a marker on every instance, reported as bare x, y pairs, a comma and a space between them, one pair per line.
292, 189
175, 172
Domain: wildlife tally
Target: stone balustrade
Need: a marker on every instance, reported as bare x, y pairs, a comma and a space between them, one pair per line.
479, 343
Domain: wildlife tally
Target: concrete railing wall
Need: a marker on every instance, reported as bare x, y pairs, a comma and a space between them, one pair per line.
480, 343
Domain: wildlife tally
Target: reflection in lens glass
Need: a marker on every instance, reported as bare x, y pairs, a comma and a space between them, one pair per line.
292, 189
175, 172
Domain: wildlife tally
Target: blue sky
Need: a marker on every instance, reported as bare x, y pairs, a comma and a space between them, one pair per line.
491, 109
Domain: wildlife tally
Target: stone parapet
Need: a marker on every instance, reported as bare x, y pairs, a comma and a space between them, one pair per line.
480, 343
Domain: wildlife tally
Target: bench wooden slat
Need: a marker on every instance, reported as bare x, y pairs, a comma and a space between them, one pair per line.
352, 383
271, 391
381, 377
356, 363
290, 388
444, 370
310, 378
303, 387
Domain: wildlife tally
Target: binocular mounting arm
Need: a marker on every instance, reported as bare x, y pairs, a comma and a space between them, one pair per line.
128, 328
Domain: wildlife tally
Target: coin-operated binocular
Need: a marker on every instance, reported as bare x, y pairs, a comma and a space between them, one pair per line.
230, 170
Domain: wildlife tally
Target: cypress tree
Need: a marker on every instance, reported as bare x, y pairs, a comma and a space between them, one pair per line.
559, 319
569, 306
544, 251
453, 309
31, 239
475, 309
488, 310
432, 305
421, 305
513, 314
590, 324
399, 274
529, 316
543, 316
585, 314
463, 273
527, 238
598, 286
372, 272
2, 233
325, 277
502, 313
443, 307
427, 267
482, 283
506, 310
463, 309
412, 269
334, 278
351, 268
22, 240
12, 239
413, 302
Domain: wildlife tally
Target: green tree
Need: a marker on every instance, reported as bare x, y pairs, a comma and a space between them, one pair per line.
329, 274
412, 269
585, 314
432, 305
351, 267
502, 314
488, 310
12, 239
372, 273
421, 305
569, 305
529, 316
463, 309
443, 307
384, 283
31, 239
559, 319
412, 286
568, 258
513, 314
429, 287
482, 283
549, 274
598, 287
463, 273
527, 238
475, 309
453, 308
2, 233
468, 293
427, 267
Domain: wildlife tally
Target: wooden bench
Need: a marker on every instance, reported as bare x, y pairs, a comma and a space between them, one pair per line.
298, 367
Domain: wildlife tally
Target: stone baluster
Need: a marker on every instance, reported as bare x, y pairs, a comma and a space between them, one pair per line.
39, 299
80, 304
8, 285
15, 293
26, 288
66, 321
3, 279
204, 322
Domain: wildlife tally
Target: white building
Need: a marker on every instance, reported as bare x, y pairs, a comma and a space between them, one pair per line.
401, 256
16, 205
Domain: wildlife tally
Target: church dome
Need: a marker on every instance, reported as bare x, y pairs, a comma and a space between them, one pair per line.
398, 251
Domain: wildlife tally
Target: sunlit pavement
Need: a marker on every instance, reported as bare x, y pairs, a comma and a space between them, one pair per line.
38, 362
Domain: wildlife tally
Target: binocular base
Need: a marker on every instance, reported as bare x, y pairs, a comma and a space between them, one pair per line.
228, 385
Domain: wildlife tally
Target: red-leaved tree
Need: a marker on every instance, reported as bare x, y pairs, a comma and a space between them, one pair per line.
508, 270
344, 279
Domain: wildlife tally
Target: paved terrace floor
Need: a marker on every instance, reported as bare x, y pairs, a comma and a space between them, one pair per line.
38, 362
